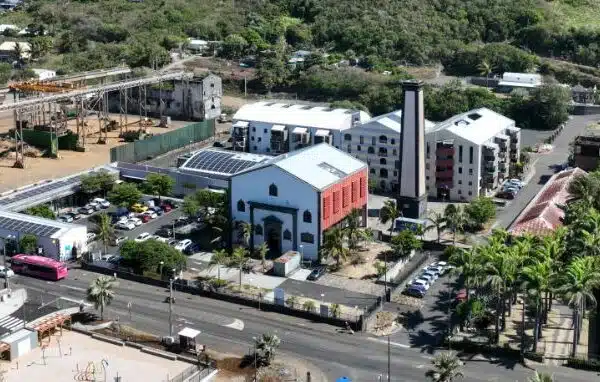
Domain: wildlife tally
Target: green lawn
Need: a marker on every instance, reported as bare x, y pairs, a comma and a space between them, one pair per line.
573, 13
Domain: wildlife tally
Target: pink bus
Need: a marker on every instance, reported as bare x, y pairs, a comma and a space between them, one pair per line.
39, 266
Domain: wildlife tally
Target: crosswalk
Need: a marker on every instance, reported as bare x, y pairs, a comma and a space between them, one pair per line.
11, 323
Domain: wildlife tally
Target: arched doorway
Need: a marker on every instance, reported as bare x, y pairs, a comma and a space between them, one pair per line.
273, 228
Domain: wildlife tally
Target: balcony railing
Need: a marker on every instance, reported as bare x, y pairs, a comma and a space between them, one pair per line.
444, 162
447, 174
444, 151
490, 169
444, 183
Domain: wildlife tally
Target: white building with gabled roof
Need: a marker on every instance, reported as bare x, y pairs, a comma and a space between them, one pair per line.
470, 154
276, 128
292, 199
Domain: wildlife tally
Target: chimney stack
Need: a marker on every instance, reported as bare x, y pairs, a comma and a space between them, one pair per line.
412, 197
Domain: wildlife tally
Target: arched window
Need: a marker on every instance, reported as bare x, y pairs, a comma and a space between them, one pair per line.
382, 151
347, 137
258, 229
382, 161
382, 139
383, 173
393, 141
241, 206
306, 237
372, 171
287, 235
273, 190
307, 217
371, 150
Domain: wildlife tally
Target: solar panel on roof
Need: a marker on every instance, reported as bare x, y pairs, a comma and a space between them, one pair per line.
217, 161
25, 227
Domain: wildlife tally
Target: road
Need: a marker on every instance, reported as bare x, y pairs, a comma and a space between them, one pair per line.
230, 328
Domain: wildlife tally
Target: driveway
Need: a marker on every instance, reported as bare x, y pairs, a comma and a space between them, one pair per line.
330, 294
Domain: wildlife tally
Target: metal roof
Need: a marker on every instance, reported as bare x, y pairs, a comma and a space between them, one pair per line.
392, 121
477, 126
222, 162
300, 115
27, 224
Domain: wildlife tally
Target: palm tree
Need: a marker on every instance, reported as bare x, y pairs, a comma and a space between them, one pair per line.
219, 258
105, 230
389, 213
499, 268
541, 377
239, 257
18, 51
100, 293
262, 251
586, 188
455, 220
576, 286
333, 246
265, 347
335, 310
485, 69
245, 232
467, 265
438, 221
352, 229
536, 281
446, 368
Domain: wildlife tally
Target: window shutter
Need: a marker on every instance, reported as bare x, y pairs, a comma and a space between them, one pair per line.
345, 197
362, 187
354, 191
336, 202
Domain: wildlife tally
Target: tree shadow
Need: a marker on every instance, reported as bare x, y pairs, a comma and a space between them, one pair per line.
411, 320
429, 341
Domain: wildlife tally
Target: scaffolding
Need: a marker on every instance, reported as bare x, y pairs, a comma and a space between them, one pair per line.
93, 98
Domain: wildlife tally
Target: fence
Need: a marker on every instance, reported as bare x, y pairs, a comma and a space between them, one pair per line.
357, 322
194, 373
159, 144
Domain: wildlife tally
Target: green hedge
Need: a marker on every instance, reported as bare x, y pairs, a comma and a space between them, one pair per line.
584, 364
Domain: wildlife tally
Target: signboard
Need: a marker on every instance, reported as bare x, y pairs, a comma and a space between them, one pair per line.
279, 296
324, 310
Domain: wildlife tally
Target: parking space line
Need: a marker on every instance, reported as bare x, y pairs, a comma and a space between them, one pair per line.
396, 344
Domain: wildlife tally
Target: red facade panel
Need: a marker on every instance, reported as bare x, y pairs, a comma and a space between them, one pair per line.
349, 193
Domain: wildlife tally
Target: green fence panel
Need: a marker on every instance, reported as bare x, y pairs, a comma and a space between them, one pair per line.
67, 142
163, 143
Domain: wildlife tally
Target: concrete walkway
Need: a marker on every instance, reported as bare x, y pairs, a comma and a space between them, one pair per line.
14, 302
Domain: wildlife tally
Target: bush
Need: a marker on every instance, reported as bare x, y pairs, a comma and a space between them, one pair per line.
584, 364
309, 305
218, 283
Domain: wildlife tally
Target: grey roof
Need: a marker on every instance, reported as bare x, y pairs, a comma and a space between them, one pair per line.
392, 120
27, 224
222, 162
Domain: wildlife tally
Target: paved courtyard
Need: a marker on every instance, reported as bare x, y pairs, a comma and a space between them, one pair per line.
86, 359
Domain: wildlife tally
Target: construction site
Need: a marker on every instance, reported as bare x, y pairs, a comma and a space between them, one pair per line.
62, 125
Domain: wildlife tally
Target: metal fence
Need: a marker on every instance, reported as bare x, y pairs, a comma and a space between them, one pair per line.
159, 144
194, 373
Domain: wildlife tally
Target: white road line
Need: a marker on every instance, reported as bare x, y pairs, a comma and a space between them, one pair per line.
396, 344
73, 288
236, 324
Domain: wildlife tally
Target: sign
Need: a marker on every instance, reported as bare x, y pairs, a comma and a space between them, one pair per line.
324, 310
279, 296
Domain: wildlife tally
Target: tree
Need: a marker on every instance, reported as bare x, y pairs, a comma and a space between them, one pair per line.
380, 268
100, 181
309, 305
389, 213
541, 377
438, 221
536, 281
159, 184
333, 246
446, 368
28, 243
234, 46
479, 211
239, 257
262, 252
455, 220
219, 258
485, 69
468, 266
40, 46
190, 206
41, 210
272, 71
266, 346
352, 229
148, 255
125, 195
547, 107
586, 189
18, 51
336, 310
101, 293
405, 242
245, 232
105, 230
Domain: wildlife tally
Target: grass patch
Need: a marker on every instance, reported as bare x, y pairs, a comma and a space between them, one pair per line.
573, 13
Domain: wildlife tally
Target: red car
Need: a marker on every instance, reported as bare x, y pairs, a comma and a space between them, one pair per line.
166, 207
144, 218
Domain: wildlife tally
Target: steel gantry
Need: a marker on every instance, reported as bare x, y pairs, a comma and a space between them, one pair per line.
86, 99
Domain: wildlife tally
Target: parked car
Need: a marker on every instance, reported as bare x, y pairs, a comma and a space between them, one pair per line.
91, 237
65, 218
191, 249
515, 182
182, 220
118, 240
434, 275
145, 218
161, 239
166, 207
102, 202
157, 210
421, 282
6, 272
173, 242
126, 225
183, 244
437, 269
138, 208
143, 237
136, 221
74, 215
107, 257
115, 259
426, 277
415, 291
150, 213
510, 195
164, 232
95, 205
316, 273
86, 210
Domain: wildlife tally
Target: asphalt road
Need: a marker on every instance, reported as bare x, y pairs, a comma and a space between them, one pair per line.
230, 328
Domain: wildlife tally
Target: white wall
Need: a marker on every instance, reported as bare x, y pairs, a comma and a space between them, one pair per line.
74, 237
254, 186
257, 130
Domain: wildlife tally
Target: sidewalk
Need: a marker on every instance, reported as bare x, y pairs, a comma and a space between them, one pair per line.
14, 302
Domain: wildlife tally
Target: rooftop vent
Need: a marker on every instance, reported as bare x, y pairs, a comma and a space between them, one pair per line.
327, 109
286, 106
329, 168
461, 122
307, 107
271, 104
474, 116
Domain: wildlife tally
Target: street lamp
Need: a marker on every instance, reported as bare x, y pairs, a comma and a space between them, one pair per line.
161, 268
322, 298
171, 303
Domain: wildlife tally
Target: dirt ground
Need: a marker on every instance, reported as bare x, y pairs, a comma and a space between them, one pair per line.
69, 162
360, 271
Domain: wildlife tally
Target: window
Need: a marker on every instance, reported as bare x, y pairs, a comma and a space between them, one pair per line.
253, 129
362, 140
268, 149
382, 139
354, 191
460, 170
287, 235
459, 192
394, 152
471, 155
382, 161
392, 141
259, 139
371, 150
258, 229
349, 148
252, 138
306, 237
307, 216
347, 137
460, 182
362, 187
395, 173
397, 164
427, 177
273, 190
470, 171
358, 148
383, 173
345, 196
265, 131
470, 183
470, 193
460, 154
372, 171
382, 151
254, 148
326, 207
212, 85
373, 141
426, 166
241, 206
336, 202
427, 150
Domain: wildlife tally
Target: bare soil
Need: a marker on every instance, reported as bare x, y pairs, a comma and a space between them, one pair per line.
366, 269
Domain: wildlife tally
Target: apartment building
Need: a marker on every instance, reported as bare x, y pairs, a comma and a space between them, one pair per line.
377, 143
277, 128
470, 154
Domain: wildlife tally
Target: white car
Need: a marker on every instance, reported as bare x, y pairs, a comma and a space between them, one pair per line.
91, 236
6, 272
143, 237
183, 244
161, 239
126, 225
102, 202
438, 270
433, 275
421, 283
95, 205
136, 221
150, 213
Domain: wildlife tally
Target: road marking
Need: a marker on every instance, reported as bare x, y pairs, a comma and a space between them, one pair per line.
236, 324
194, 269
391, 343
73, 288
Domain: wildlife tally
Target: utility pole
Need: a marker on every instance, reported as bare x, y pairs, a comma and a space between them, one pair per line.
171, 304
389, 373
245, 86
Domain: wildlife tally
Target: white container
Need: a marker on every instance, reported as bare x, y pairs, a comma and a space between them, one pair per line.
286, 263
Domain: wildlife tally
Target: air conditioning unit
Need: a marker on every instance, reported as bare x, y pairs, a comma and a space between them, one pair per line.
168, 340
